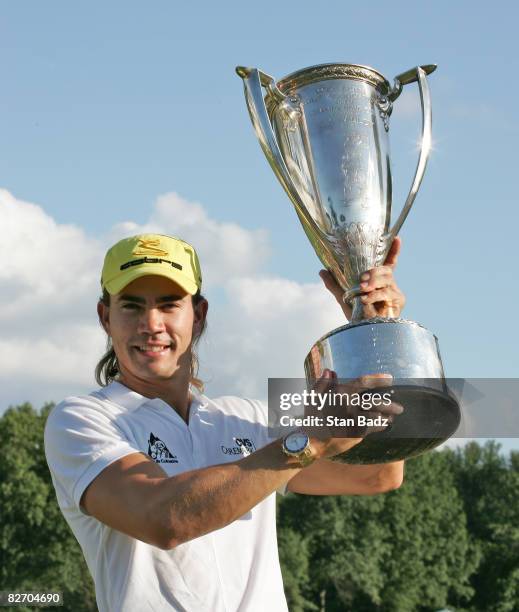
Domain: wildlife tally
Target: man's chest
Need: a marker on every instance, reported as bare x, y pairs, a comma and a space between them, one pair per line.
178, 447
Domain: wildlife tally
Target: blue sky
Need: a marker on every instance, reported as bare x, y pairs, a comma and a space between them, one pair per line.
104, 107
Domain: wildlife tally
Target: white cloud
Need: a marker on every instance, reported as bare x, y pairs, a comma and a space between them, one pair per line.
225, 249
67, 353
49, 286
266, 329
43, 262
51, 341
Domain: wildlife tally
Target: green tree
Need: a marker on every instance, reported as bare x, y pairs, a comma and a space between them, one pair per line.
402, 551
294, 560
37, 549
489, 484
432, 555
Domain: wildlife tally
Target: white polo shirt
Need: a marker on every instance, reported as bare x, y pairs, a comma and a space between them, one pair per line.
235, 568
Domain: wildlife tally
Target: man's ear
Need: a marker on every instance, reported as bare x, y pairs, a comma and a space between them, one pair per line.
200, 316
103, 312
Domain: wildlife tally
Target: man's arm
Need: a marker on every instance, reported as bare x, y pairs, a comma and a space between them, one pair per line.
325, 477
134, 496
380, 297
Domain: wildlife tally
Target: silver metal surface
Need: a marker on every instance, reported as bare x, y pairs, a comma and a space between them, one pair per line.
410, 353
399, 347
324, 131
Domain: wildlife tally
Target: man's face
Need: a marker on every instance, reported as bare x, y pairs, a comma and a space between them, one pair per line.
152, 322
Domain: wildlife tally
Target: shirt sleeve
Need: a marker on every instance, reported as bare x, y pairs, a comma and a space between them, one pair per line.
81, 439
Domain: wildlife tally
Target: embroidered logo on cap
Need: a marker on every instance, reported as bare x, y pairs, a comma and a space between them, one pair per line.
149, 246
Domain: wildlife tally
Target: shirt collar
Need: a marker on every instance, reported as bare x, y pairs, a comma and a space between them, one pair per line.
131, 400
198, 399
120, 394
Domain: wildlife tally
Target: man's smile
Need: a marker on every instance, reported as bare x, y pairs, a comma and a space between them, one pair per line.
153, 349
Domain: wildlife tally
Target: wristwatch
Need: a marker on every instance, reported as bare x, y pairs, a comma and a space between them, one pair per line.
297, 445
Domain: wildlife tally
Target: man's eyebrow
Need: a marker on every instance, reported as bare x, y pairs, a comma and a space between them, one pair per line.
139, 300
169, 298
131, 298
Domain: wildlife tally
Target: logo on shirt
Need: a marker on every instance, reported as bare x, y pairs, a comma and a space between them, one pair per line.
159, 452
244, 446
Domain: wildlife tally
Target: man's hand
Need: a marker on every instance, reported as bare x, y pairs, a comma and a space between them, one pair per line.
326, 477
381, 296
336, 438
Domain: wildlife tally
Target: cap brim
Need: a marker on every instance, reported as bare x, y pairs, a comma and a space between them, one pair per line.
117, 284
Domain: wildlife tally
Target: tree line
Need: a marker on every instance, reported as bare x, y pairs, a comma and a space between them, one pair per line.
448, 538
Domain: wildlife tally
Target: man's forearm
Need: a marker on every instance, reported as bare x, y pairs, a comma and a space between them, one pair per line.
195, 503
330, 478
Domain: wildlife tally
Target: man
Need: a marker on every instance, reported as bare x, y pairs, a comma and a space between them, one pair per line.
168, 492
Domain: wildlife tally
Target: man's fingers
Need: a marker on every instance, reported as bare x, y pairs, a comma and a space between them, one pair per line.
386, 294
326, 381
393, 409
369, 311
376, 278
331, 284
370, 414
373, 381
364, 383
394, 251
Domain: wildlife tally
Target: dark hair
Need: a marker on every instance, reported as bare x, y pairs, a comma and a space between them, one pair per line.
108, 367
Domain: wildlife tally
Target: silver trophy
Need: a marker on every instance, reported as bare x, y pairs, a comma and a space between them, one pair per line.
324, 131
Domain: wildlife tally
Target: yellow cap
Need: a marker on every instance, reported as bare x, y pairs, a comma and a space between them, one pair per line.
147, 254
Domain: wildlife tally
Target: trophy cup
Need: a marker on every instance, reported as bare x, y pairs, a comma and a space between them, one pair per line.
324, 131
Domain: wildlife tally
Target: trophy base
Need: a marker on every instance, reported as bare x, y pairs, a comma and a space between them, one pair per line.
429, 419
409, 352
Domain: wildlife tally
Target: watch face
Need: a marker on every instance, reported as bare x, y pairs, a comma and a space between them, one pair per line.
296, 442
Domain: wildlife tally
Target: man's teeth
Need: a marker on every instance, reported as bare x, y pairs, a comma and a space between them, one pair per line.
153, 349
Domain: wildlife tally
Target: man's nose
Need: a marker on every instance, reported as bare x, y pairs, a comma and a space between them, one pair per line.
151, 321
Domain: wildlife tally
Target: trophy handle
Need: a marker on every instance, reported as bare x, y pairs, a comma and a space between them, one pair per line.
410, 76
253, 80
